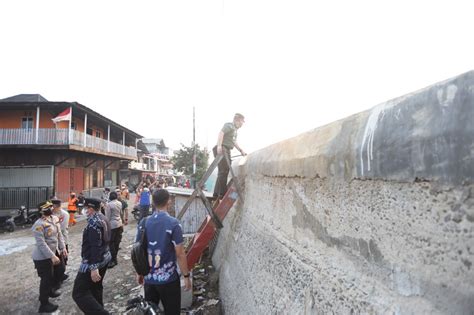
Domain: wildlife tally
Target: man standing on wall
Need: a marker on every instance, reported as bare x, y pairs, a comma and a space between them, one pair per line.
226, 141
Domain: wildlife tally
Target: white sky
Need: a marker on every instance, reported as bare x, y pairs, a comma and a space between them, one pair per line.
288, 66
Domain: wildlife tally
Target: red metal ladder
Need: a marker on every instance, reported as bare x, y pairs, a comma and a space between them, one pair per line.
213, 220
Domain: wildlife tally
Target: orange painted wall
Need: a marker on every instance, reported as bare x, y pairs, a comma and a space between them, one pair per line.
103, 134
11, 119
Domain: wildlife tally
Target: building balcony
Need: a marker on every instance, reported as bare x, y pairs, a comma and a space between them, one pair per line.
71, 139
139, 166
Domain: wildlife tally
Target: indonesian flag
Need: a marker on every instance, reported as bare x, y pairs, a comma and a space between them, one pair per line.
65, 115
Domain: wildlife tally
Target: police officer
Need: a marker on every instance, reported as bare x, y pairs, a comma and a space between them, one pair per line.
63, 217
48, 256
88, 289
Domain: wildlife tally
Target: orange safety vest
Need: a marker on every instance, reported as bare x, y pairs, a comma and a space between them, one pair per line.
72, 204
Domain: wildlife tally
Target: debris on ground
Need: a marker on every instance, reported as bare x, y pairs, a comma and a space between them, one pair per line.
120, 284
206, 292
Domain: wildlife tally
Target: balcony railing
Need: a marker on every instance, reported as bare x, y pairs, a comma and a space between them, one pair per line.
62, 137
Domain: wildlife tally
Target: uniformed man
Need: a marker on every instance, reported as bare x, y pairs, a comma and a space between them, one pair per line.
226, 141
63, 217
88, 289
47, 256
72, 207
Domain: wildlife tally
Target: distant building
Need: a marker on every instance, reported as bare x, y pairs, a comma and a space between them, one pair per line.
51, 148
156, 146
153, 160
158, 158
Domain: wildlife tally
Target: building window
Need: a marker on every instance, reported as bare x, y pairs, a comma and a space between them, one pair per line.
73, 125
95, 177
27, 123
89, 131
97, 134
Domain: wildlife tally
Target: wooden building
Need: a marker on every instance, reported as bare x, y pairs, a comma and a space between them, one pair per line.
37, 155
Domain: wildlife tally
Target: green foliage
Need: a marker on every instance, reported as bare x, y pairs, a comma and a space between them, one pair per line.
183, 158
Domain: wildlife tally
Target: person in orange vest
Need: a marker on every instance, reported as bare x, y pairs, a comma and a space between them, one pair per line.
72, 208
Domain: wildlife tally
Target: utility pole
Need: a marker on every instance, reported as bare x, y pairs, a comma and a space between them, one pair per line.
194, 147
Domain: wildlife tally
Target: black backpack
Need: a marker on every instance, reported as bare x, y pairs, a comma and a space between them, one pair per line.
139, 254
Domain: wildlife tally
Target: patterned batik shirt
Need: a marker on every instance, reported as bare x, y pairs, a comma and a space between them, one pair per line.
163, 233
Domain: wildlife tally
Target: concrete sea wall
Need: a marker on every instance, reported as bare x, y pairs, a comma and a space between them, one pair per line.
372, 214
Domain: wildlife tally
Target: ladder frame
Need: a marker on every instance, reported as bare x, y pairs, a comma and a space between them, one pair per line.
199, 193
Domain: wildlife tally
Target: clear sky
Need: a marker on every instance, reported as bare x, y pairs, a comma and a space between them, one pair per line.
288, 66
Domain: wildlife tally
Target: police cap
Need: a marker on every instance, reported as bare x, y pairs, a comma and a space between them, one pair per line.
93, 203
45, 205
56, 201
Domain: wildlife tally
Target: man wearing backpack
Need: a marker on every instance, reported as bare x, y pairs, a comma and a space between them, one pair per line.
164, 244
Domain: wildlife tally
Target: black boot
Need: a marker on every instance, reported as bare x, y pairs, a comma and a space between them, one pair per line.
55, 293
47, 308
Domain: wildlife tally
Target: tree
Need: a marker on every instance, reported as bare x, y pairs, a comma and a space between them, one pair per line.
183, 159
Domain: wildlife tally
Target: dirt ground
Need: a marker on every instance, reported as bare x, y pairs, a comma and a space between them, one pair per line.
20, 282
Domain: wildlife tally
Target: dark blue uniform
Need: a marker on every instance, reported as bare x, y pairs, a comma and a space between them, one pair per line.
95, 255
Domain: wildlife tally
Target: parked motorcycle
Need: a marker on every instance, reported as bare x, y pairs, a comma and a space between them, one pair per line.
139, 305
25, 217
7, 223
136, 212
81, 209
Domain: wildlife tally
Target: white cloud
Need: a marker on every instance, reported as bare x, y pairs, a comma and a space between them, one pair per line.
289, 66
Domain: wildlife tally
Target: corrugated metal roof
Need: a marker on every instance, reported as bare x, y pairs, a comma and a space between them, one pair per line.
25, 98
185, 191
158, 141
28, 101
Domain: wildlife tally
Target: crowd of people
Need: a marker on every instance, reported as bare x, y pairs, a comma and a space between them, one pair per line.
106, 218
101, 238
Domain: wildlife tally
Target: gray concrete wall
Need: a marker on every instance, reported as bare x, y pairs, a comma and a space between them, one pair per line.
373, 214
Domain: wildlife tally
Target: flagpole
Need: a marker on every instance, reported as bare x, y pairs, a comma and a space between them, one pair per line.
70, 124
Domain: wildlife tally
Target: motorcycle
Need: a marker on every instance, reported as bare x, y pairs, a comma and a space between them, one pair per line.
81, 209
138, 305
25, 217
7, 223
136, 212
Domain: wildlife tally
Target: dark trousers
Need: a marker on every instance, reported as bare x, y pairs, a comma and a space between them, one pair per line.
51, 277
88, 294
65, 259
222, 173
144, 211
58, 271
115, 239
169, 294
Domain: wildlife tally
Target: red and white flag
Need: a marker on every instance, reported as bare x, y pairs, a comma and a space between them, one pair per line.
65, 115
